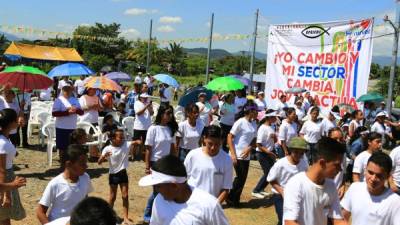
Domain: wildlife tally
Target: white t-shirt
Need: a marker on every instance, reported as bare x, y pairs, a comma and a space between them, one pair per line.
227, 112
326, 125
200, 209
355, 124
309, 203
366, 209
79, 84
239, 103
61, 104
283, 170
280, 108
10, 105
24, 97
244, 132
339, 177
301, 113
360, 163
143, 121
167, 95
266, 137
312, 131
60, 221
190, 136
61, 196
377, 127
160, 139
287, 131
210, 174
62, 83
8, 149
205, 110
395, 155
262, 104
90, 116
119, 159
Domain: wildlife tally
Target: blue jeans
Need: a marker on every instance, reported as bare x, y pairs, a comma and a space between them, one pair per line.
183, 153
278, 202
149, 205
266, 163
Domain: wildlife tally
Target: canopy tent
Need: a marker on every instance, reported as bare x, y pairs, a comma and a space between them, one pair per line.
17, 51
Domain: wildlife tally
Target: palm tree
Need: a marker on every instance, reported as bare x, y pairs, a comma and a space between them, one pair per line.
174, 57
4, 43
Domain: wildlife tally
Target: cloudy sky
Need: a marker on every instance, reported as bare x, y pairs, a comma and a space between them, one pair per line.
175, 19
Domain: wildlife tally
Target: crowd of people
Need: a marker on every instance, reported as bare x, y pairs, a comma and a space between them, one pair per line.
342, 167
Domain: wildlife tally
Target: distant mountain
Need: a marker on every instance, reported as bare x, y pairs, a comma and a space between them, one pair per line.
10, 37
384, 60
215, 53
258, 55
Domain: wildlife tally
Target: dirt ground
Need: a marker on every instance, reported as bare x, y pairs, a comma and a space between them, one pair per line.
32, 165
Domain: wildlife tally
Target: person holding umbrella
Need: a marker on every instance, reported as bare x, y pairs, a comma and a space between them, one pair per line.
65, 108
7, 101
227, 119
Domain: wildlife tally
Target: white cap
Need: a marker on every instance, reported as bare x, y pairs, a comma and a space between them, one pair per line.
271, 114
160, 178
260, 93
138, 80
336, 115
381, 114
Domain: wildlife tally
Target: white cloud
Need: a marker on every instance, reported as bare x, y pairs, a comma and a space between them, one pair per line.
84, 25
208, 24
139, 11
130, 33
165, 29
170, 19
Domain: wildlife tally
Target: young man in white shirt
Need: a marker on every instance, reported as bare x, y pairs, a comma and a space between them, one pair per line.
311, 198
284, 169
177, 202
80, 86
66, 190
209, 168
371, 202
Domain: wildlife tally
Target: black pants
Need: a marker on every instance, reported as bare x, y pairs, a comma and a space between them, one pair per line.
225, 131
241, 170
266, 163
15, 139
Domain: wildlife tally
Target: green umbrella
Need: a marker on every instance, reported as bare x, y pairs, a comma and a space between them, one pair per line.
23, 69
225, 84
370, 97
24, 78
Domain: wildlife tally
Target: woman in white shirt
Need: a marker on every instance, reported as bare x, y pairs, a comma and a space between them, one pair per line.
11, 206
160, 141
241, 141
143, 111
189, 131
287, 130
65, 109
240, 100
205, 109
311, 131
357, 120
266, 139
227, 119
379, 126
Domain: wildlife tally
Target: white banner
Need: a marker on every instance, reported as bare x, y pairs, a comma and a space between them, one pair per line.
332, 60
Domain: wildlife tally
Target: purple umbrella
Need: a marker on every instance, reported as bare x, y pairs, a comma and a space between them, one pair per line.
242, 79
118, 76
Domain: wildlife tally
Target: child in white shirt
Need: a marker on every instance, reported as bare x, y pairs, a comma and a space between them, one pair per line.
66, 190
118, 157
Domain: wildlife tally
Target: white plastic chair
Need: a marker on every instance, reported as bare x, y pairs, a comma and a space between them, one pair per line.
215, 120
32, 121
43, 118
127, 123
115, 115
49, 131
96, 135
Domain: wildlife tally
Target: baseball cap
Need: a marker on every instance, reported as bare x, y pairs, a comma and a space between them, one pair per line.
202, 94
381, 114
298, 143
144, 95
260, 93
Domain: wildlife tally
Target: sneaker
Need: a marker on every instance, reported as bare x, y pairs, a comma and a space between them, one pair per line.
266, 194
257, 195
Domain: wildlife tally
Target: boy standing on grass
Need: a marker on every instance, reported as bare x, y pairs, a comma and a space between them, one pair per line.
284, 169
66, 190
118, 157
311, 198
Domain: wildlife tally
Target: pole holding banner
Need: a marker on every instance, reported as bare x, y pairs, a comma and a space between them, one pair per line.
394, 56
209, 48
253, 52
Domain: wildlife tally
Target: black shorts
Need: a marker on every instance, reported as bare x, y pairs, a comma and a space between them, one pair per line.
118, 178
139, 135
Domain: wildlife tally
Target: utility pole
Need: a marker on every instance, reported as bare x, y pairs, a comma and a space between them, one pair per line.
209, 48
394, 56
253, 53
148, 47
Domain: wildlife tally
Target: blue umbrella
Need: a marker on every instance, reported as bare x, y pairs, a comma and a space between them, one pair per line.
242, 79
167, 79
118, 76
70, 69
192, 95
